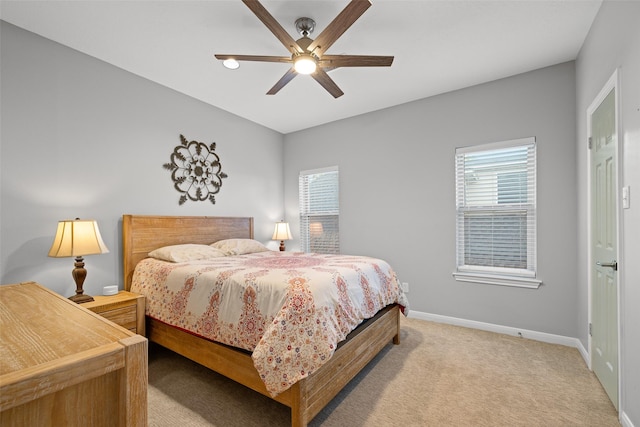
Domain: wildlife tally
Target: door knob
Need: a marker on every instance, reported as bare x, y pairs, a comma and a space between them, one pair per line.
613, 264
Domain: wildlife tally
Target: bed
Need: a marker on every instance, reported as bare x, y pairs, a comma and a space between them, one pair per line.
306, 396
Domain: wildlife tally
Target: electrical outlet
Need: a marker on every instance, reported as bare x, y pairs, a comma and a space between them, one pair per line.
405, 287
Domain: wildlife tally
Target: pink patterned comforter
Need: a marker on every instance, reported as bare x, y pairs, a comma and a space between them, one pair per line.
289, 309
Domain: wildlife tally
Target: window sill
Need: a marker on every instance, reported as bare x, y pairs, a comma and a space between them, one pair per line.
489, 279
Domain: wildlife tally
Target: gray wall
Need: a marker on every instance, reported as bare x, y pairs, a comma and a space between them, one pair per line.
397, 192
614, 43
82, 138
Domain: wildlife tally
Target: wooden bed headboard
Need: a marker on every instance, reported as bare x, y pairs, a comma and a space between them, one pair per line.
143, 233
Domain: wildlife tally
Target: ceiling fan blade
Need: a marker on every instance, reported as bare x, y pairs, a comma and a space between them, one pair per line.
326, 82
273, 25
336, 61
288, 76
339, 25
260, 58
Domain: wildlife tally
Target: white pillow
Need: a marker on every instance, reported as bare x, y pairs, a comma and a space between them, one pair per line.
186, 252
239, 246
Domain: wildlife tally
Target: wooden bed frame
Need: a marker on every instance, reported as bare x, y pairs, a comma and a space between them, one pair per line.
142, 233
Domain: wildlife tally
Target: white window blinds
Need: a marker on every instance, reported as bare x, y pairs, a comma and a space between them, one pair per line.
319, 211
496, 208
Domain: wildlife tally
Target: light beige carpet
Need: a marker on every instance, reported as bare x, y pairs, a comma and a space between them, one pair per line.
440, 375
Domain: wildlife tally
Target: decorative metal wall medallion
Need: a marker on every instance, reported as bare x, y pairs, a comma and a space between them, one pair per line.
196, 171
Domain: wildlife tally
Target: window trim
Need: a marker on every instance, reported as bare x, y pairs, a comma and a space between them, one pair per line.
495, 279
489, 275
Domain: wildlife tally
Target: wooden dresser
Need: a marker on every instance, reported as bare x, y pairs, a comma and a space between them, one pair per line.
63, 365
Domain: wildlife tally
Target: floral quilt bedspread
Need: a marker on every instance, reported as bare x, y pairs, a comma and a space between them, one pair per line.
289, 309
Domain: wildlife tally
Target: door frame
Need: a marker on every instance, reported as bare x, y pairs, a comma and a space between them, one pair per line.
613, 83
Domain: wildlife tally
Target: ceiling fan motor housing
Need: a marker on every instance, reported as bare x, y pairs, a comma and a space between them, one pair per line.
304, 43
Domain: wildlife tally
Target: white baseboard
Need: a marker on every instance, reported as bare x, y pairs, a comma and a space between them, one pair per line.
624, 420
508, 330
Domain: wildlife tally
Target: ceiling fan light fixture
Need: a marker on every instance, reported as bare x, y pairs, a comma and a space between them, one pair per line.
305, 64
309, 56
231, 64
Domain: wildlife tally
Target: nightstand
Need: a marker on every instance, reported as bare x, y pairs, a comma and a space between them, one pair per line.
125, 308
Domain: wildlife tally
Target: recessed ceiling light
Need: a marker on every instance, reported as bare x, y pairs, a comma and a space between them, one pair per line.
231, 64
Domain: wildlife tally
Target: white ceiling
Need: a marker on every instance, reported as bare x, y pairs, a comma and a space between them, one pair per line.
439, 46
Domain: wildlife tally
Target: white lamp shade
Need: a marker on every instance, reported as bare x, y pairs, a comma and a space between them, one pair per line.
282, 232
77, 238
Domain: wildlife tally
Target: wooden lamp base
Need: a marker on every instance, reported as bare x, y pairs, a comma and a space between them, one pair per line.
79, 273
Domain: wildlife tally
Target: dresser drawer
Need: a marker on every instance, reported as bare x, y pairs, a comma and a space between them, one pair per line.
125, 317
125, 309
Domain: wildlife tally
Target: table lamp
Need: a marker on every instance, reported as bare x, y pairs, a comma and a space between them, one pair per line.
77, 238
282, 233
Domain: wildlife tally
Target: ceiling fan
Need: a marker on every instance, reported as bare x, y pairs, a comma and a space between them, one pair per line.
309, 56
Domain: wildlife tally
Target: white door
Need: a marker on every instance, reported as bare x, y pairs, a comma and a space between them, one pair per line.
604, 243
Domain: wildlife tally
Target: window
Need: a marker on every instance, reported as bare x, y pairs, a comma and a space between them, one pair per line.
319, 211
496, 213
